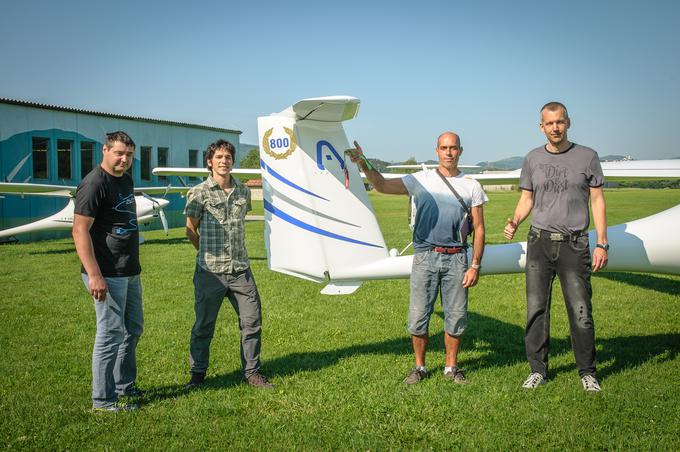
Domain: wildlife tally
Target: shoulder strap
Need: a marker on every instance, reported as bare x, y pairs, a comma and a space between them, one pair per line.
454, 192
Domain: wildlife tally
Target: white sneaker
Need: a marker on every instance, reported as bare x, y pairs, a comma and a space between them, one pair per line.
533, 381
590, 383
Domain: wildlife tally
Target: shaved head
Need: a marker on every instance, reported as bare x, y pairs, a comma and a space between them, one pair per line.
455, 136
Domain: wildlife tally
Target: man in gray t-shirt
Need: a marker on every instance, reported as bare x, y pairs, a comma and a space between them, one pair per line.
561, 183
557, 181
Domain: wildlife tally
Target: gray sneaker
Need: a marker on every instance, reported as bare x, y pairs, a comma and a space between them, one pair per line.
117, 407
533, 381
457, 376
259, 381
415, 376
590, 383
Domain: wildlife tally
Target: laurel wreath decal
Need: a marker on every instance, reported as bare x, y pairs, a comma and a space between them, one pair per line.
268, 150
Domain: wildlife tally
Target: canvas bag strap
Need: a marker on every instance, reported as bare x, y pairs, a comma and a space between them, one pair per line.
454, 192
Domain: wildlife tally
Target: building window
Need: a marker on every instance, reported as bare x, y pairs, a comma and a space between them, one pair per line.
145, 152
193, 161
162, 161
193, 158
64, 148
41, 147
86, 157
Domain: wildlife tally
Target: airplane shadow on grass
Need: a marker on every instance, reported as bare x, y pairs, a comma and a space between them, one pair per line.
651, 282
493, 342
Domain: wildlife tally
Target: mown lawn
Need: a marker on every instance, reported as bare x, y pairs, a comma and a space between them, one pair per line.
338, 362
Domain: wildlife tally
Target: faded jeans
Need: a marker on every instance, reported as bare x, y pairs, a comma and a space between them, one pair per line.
120, 323
569, 260
431, 274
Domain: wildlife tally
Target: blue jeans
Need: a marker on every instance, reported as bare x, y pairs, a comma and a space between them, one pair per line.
431, 274
569, 260
120, 322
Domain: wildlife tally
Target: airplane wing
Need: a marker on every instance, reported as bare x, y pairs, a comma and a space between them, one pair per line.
426, 165
68, 191
628, 168
200, 172
160, 190
642, 168
18, 188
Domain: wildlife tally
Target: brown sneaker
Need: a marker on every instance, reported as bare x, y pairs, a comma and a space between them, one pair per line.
457, 376
259, 381
415, 376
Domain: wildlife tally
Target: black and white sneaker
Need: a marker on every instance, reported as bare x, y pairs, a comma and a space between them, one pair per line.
533, 381
590, 383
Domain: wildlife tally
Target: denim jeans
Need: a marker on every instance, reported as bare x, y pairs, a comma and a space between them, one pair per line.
569, 260
120, 323
431, 274
210, 289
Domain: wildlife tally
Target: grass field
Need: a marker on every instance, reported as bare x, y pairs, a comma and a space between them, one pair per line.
338, 362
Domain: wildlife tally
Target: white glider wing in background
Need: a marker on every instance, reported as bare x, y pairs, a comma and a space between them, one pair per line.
320, 225
147, 207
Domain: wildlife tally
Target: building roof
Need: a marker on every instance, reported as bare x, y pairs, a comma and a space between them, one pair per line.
24, 103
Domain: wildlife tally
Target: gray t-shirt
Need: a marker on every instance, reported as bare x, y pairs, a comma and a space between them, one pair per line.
561, 187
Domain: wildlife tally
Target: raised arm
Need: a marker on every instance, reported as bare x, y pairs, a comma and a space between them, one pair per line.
522, 211
390, 186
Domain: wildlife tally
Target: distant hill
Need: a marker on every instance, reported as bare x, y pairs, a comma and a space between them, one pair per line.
510, 163
612, 158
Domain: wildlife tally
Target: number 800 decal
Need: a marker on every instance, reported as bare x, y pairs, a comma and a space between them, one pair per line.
287, 143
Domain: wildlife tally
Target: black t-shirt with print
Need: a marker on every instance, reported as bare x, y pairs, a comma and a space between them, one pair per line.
110, 200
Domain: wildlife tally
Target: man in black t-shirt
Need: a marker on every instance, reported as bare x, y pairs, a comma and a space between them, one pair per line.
107, 242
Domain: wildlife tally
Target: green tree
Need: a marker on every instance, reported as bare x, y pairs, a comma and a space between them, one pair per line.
409, 161
252, 159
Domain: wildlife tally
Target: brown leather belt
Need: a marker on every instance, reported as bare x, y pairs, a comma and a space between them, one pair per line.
452, 250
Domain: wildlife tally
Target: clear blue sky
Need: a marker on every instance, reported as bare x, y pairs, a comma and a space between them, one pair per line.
481, 69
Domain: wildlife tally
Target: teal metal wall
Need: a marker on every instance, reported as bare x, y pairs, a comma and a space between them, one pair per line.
21, 121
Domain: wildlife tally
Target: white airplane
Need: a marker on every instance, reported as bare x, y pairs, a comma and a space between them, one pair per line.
424, 165
320, 225
148, 207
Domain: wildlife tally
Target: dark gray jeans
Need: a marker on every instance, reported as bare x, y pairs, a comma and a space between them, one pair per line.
210, 289
569, 260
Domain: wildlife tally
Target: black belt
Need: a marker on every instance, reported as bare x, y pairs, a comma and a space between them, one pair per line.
452, 250
558, 236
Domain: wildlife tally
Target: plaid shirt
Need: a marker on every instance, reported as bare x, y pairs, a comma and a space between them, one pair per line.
222, 247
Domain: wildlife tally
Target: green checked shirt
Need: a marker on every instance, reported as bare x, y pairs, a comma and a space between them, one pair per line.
222, 247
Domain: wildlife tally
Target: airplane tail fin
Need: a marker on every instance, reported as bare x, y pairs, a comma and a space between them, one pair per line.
319, 222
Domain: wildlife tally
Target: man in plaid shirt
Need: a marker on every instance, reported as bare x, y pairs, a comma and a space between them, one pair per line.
216, 211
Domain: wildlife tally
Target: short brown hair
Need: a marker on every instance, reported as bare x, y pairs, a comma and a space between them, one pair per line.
554, 106
121, 137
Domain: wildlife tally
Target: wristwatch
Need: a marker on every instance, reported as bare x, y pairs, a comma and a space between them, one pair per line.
475, 266
604, 246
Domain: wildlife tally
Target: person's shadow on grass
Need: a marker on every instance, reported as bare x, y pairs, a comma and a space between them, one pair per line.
497, 344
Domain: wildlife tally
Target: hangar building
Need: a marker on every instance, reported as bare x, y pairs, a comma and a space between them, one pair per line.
48, 144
